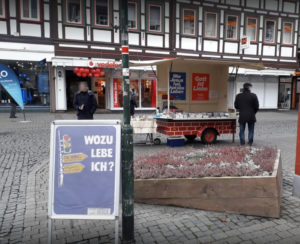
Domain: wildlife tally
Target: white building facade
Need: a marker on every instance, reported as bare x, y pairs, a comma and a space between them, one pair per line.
70, 34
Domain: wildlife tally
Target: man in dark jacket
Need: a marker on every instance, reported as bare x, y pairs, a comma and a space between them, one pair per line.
133, 103
85, 102
247, 104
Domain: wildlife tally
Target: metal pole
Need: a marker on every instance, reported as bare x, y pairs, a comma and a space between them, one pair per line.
117, 230
49, 230
127, 138
24, 115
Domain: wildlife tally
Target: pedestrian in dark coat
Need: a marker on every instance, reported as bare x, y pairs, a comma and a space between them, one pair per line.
133, 103
248, 105
85, 102
13, 108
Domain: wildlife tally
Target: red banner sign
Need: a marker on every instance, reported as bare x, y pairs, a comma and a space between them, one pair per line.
200, 87
116, 89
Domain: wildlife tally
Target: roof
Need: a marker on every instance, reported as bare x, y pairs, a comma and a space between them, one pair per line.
187, 61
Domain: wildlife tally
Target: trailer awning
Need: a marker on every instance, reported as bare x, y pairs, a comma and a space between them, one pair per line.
187, 61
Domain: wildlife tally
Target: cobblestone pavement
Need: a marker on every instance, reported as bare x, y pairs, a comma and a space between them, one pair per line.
24, 152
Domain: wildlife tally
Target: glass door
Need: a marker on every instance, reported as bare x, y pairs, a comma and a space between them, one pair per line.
285, 95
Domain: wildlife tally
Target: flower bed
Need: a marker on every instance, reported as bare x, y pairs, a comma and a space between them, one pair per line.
240, 180
209, 162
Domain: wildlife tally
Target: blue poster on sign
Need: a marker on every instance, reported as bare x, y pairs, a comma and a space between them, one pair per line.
177, 85
10, 83
85, 170
43, 83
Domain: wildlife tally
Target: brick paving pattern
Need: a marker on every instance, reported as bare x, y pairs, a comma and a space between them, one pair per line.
24, 152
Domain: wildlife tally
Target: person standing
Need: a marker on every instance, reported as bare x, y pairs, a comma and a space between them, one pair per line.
247, 104
85, 102
133, 103
13, 108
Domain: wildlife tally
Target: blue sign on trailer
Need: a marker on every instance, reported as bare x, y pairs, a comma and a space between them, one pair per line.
84, 169
177, 85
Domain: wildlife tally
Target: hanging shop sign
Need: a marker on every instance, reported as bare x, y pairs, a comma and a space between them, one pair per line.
93, 64
245, 42
116, 92
200, 87
84, 169
178, 85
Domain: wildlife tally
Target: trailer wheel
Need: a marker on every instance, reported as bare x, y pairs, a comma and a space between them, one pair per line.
190, 137
209, 136
156, 141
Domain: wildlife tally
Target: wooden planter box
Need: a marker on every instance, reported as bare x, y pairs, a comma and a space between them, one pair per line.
249, 195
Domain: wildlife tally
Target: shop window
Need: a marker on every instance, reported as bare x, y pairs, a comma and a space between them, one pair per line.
211, 25
30, 10
34, 83
155, 18
74, 12
270, 31
102, 13
189, 22
231, 27
144, 89
148, 93
132, 16
287, 33
251, 29
2, 9
118, 91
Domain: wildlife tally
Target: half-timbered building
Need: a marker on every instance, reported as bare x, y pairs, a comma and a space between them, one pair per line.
79, 35
26, 45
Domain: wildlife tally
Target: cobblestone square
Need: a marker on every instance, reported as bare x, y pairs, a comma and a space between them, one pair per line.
24, 158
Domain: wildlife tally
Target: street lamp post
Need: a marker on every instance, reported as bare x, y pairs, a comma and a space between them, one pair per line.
127, 138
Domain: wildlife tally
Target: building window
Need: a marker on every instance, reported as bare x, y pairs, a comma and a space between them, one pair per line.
189, 22
251, 29
252, 3
2, 9
289, 6
287, 33
74, 12
211, 25
271, 5
30, 10
102, 13
270, 31
132, 16
231, 27
155, 18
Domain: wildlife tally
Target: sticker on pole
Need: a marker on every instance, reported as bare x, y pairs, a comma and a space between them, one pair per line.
84, 170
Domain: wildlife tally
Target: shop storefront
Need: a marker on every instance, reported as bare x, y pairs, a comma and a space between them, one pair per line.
275, 89
107, 84
34, 82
